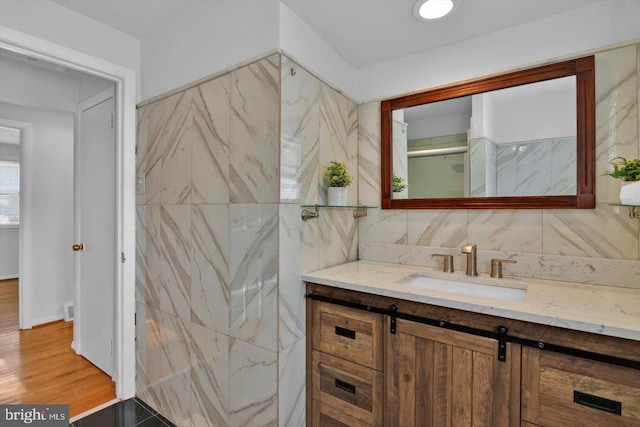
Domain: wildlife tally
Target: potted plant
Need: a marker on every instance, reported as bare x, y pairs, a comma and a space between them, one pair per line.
398, 184
337, 179
628, 171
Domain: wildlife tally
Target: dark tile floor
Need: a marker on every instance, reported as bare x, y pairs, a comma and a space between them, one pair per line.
128, 413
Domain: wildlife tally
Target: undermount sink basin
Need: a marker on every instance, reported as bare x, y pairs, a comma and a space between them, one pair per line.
466, 288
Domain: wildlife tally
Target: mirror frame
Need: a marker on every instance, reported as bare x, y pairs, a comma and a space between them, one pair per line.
582, 68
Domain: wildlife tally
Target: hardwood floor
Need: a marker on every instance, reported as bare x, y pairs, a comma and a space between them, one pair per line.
38, 365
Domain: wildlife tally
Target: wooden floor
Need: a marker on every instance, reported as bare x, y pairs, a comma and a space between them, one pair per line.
38, 366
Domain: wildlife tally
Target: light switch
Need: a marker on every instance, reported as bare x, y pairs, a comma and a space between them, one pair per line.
141, 183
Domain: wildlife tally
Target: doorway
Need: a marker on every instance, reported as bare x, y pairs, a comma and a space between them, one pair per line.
49, 100
9, 202
124, 342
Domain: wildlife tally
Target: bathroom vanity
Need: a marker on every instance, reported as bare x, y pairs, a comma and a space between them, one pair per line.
385, 346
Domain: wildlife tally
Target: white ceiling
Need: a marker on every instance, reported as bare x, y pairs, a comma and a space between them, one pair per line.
366, 32
363, 32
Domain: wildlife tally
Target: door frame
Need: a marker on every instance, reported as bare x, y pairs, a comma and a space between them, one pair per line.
125, 79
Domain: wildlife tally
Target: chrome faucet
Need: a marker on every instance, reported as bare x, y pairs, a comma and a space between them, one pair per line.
470, 250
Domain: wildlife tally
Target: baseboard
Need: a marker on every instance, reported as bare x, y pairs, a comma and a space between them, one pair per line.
47, 319
11, 276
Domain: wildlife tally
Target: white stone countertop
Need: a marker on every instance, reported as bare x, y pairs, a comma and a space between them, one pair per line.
605, 310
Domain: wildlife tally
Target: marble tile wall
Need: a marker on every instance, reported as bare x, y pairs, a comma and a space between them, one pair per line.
478, 164
221, 247
600, 246
483, 167
207, 250
542, 167
318, 125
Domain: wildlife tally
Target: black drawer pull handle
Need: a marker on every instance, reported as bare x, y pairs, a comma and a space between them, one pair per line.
597, 402
344, 332
346, 386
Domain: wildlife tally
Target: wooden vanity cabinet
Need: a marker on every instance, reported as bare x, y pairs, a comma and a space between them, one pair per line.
438, 377
359, 373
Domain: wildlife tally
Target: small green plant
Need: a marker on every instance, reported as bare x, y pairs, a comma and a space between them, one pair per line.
626, 170
398, 184
336, 175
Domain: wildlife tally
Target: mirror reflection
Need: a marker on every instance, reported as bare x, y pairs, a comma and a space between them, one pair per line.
518, 141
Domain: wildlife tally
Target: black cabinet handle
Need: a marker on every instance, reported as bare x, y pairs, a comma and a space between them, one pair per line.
344, 332
597, 402
345, 386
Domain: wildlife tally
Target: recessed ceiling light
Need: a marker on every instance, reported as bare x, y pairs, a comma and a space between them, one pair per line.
427, 10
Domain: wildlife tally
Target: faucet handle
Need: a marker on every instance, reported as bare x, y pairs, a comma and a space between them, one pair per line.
448, 262
496, 266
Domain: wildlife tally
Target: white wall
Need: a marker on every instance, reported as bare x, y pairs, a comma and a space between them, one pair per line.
9, 252
50, 185
209, 37
204, 38
591, 27
90, 86
449, 124
478, 119
50, 21
300, 42
531, 112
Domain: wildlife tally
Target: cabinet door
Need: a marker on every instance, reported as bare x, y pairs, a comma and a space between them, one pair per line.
438, 377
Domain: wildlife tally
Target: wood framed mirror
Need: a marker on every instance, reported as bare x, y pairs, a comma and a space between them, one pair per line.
520, 140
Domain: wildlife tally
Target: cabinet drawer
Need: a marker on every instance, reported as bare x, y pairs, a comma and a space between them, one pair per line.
327, 416
347, 388
351, 334
560, 390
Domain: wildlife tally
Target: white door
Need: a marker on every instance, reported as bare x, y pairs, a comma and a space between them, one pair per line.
95, 247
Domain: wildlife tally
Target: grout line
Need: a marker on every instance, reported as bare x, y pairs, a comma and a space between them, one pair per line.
146, 406
144, 420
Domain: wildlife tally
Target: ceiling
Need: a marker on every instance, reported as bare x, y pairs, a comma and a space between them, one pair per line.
8, 56
366, 32
363, 32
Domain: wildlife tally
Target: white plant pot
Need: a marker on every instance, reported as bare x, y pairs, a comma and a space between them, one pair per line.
630, 193
337, 196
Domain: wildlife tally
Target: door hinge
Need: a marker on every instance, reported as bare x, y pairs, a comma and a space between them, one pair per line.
122, 257
502, 343
393, 313
110, 346
111, 120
